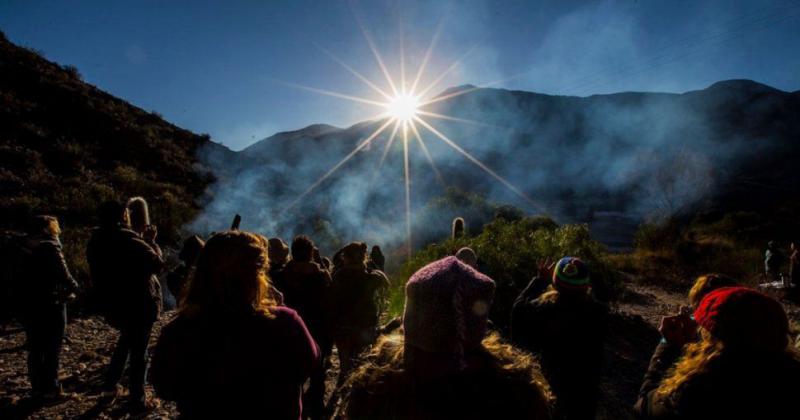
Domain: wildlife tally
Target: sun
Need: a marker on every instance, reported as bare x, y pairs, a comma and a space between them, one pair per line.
403, 107
404, 113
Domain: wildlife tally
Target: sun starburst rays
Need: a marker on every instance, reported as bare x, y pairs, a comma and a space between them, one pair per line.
404, 107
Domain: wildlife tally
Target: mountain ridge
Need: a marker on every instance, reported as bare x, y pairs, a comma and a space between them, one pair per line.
640, 153
317, 129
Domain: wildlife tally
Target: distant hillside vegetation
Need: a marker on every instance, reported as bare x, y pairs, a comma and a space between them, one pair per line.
66, 146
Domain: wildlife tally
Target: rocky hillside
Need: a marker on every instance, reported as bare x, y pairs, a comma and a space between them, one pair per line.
65, 146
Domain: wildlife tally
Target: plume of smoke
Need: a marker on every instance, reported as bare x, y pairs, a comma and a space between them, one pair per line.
635, 153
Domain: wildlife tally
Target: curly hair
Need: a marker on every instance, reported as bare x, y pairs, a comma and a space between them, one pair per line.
230, 276
354, 253
696, 360
699, 358
385, 375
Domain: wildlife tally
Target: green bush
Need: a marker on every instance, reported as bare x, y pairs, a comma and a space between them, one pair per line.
509, 251
672, 253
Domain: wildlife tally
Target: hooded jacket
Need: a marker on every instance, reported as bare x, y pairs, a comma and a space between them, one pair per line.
568, 334
45, 277
123, 268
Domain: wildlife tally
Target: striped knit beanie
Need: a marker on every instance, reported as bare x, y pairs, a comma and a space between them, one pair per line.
571, 273
447, 307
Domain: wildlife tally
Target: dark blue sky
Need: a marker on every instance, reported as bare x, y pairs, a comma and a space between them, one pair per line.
220, 67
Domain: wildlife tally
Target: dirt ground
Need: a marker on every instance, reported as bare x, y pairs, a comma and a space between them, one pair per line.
90, 341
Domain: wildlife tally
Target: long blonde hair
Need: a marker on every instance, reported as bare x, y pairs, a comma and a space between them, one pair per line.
388, 356
553, 295
230, 276
696, 360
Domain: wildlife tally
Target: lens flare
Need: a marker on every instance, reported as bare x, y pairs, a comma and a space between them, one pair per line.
403, 107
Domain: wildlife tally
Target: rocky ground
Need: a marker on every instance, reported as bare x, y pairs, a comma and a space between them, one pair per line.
90, 341
86, 353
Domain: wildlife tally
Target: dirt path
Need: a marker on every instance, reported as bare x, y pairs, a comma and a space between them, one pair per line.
86, 353
632, 337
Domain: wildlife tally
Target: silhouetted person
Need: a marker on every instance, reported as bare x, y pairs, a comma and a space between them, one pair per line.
278, 258
179, 277
308, 291
444, 366
40, 295
377, 261
232, 352
123, 265
566, 328
742, 366
356, 302
773, 260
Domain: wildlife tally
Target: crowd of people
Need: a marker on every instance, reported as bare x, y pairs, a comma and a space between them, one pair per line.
258, 319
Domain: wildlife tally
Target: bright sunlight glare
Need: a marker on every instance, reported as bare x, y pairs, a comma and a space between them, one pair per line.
404, 107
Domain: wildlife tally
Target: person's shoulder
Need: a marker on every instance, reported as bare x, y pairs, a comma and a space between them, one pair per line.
290, 266
46, 243
377, 275
280, 315
542, 303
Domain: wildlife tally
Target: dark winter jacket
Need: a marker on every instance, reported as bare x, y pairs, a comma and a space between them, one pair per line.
177, 280
356, 297
276, 276
735, 386
45, 278
567, 332
235, 365
123, 268
307, 290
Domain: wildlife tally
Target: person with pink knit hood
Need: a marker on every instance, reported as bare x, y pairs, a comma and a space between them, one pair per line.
445, 363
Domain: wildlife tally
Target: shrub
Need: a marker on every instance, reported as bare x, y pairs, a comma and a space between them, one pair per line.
672, 253
509, 252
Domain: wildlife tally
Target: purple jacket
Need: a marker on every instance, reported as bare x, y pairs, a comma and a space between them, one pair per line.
235, 365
